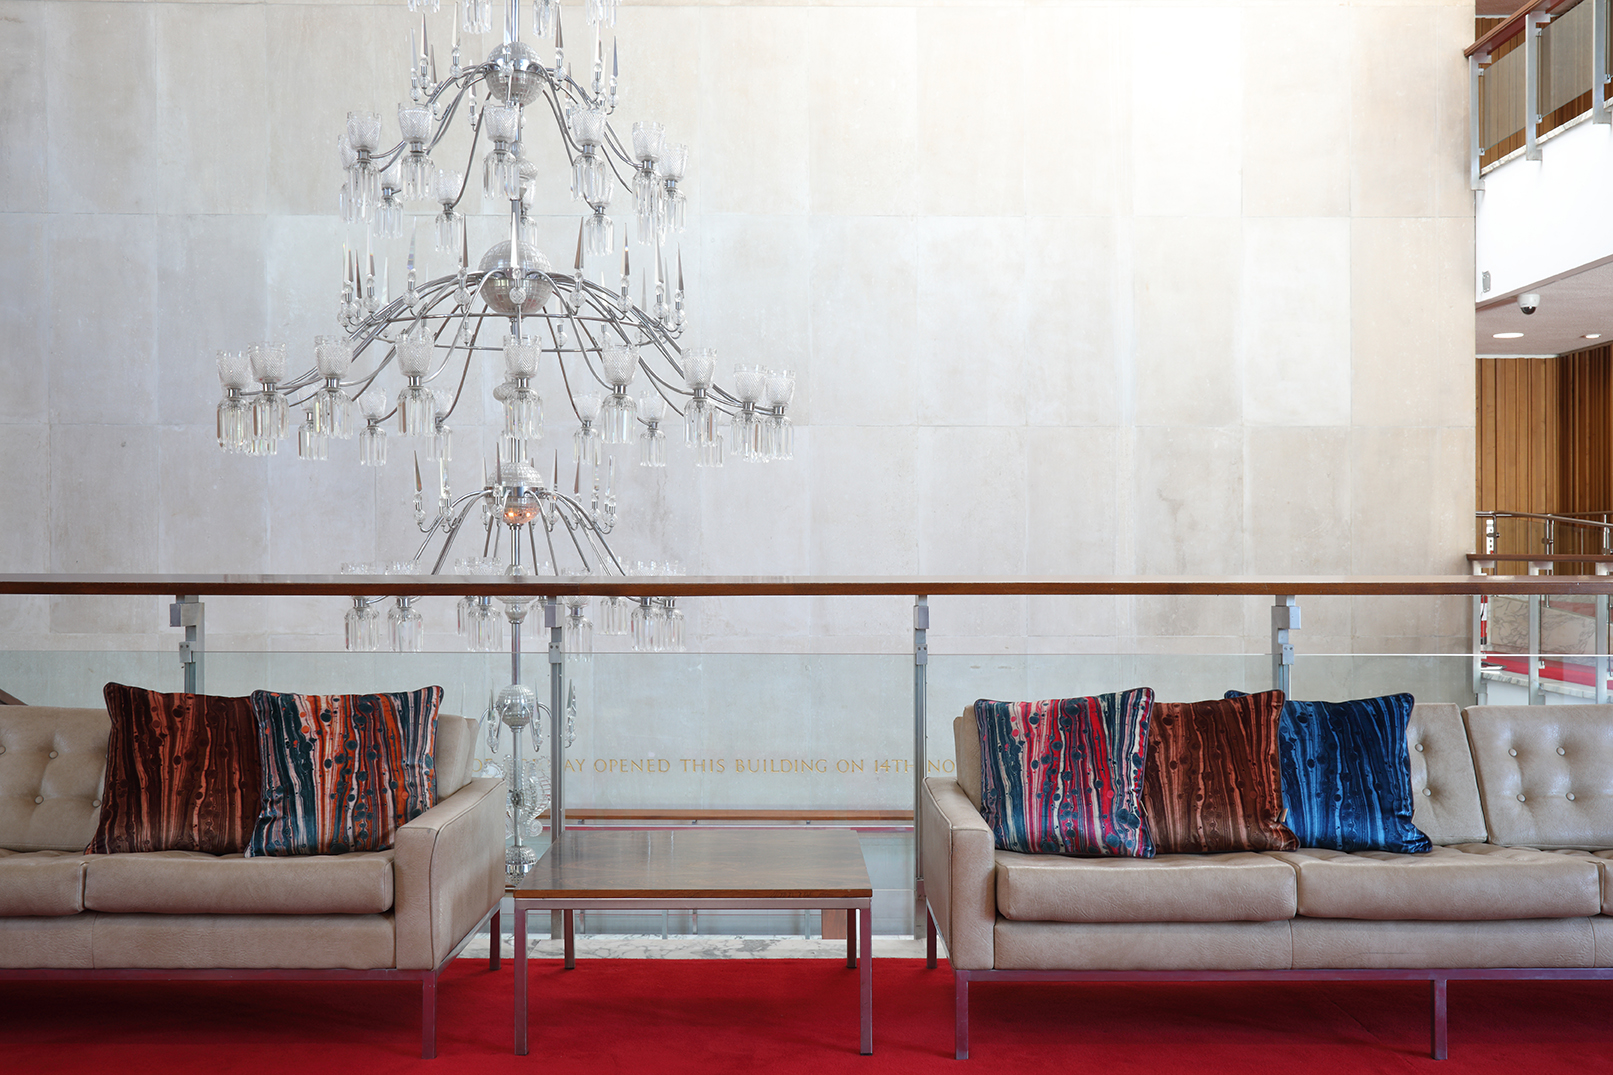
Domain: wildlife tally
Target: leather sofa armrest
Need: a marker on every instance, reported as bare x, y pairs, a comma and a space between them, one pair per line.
959, 864
448, 868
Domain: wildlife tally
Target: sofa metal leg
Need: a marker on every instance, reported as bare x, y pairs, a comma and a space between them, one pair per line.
929, 937
428, 1016
961, 1026
494, 940
1440, 1045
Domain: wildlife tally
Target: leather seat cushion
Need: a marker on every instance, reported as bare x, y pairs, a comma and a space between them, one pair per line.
1467, 882
189, 882
1238, 886
41, 883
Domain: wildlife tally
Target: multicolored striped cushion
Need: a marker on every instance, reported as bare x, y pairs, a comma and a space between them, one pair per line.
1065, 776
1212, 782
1346, 777
341, 772
182, 773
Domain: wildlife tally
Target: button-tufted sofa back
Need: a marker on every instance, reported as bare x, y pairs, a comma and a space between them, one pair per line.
52, 764
1443, 786
1546, 772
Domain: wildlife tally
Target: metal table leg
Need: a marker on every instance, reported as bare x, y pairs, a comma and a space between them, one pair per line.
520, 979
865, 923
851, 936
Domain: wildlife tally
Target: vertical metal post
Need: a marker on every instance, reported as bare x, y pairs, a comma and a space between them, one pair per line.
1284, 618
1531, 82
187, 611
1475, 123
557, 719
921, 664
1478, 641
1534, 641
1599, 109
1601, 640
1489, 536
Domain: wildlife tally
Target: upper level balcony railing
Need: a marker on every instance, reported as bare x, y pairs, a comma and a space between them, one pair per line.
1535, 72
806, 736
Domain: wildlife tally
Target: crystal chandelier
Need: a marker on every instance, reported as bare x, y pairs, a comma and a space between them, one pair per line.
583, 342
585, 338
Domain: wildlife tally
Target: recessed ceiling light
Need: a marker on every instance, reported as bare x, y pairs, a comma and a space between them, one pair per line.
1507, 336
1591, 336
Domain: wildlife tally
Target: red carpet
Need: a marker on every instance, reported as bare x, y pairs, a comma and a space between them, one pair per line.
780, 1015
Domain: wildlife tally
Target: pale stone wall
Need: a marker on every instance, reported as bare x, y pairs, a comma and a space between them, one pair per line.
1089, 288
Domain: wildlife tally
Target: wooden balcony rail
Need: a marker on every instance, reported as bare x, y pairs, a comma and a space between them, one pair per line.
802, 585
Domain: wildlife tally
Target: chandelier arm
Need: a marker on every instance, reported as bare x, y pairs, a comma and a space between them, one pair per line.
661, 386
532, 543
566, 382
453, 532
488, 541
548, 537
470, 349
572, 533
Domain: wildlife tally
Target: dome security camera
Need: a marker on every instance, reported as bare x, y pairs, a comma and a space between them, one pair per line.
1529, 303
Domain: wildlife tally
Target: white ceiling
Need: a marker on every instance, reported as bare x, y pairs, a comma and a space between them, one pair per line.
1569, 308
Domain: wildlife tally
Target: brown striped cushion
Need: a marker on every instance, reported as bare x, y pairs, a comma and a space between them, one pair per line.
183, 773
1212, 781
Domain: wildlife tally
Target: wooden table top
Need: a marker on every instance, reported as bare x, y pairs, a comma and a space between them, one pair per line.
797, 864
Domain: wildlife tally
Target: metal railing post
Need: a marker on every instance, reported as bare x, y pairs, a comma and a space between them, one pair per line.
1531, 82
1599, 77
1475, 123
187, 611
1534, 642
1284, 618
921, 664
1478, 641
1601, 640
557, 719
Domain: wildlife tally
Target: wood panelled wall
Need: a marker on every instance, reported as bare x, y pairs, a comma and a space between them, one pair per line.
1545, 445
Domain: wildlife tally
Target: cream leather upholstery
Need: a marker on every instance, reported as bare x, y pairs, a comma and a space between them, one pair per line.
1144, 945
41, 883
1353, 942
1243, 886
966, 753
456, 743
60, 908
1445, 791
1473, 882
355, 942
959, 872
189, 882
1546, 773
52, 763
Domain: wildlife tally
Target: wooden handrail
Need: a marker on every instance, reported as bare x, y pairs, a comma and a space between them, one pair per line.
1512, 24
805, 585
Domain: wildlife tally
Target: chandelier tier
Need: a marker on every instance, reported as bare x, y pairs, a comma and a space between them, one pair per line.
584, 340
587, 338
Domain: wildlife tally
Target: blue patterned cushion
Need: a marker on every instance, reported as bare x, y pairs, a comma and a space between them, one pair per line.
1065, 776
1346, 778
341, 772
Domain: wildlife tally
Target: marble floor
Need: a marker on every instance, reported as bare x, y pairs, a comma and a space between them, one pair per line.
699, 946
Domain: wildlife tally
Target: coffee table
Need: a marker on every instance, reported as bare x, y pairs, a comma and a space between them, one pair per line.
700, 869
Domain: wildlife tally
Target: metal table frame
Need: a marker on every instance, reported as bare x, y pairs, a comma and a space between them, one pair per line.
859, 924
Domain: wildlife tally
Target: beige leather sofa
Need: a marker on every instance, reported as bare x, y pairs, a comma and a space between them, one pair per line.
372, 916
1518, 801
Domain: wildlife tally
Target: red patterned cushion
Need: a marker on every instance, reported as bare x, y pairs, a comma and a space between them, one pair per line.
1064, 776
182, 773
342, 772
1213, 781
